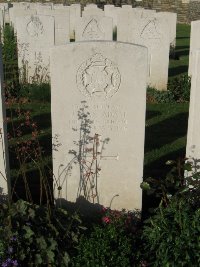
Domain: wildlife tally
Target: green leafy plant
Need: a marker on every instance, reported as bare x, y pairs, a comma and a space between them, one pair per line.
32, 235
172, 236
155, 96
178, 90
111, 243
165, 188
179, 87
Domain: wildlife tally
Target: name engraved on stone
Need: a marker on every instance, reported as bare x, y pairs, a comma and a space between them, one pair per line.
103, 117
35, 27
98, 77
92, 31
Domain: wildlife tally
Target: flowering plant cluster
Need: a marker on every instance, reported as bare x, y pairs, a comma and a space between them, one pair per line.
127, 219
110, 243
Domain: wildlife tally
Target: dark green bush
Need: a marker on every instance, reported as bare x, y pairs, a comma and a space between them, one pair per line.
155, 96
36, 236
172, 236
111, 244
178, 90
179, 87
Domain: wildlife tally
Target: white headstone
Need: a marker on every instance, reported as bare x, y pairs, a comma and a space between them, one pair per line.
171, 19
152, 32
194, 43
62, 24
98, 92
35, 35
90, 6
92, 11
4, 162
112, 11
126, 6
94, 28
193, 141
75, 14
15, 13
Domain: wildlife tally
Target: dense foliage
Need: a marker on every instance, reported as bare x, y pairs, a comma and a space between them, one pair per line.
32, 235
112, 243
178, 90
172, 236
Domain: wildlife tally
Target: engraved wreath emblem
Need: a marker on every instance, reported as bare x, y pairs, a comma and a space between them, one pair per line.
98, 77
34, 27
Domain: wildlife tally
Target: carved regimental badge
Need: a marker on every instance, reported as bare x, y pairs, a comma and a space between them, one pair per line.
92, 31
151, 33
98, 77
35, 27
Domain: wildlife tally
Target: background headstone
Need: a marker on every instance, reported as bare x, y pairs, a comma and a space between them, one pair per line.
94, 28
75, 14
154, 34
171, 19
35, 35
194, 43
15, 13
62, 24
4, 163
92, 11
193, 141
98, 104
112, 11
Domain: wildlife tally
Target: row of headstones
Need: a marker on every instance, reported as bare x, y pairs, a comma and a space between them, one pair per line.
37, 33
98, 91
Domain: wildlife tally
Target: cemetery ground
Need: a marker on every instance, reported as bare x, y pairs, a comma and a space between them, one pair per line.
42, 235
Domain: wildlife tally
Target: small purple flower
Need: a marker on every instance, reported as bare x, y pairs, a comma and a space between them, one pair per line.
15, 263
10, 263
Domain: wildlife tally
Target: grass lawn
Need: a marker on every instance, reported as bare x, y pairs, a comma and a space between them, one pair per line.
165, 138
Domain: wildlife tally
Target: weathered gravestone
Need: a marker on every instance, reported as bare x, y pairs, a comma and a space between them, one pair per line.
75, 14
98, 91
15, 13
94, 28
35, 35
126, 25
110, 11
171, 19
194, 43
152, 32
92, 10
62, 24
193, 141
4, 163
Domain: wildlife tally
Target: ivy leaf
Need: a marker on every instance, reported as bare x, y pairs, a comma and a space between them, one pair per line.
41, 243
38, 259
66, 259
28, 231
50, 256
145, 186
